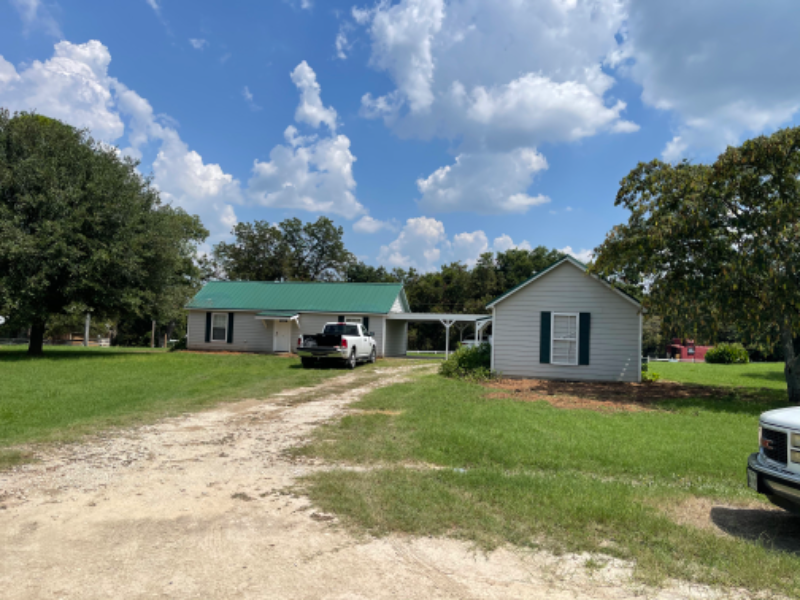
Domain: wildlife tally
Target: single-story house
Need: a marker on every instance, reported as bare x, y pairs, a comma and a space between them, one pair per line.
564, 324
258, 316
559, 324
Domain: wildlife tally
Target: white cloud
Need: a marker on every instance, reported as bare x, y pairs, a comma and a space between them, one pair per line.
198, 43
505, 243
419, 245
311, 110
484, 183
36, 15
249, 99
584, 255
720, 87
367, 224
343, 45
74, 86
468, 247
155, 6
309, 173
495, 78
402, 39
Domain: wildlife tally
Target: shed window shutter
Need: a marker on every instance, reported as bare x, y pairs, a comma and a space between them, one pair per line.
341, 319
230, 328
584, 338
366, 324
208, 327
544, 339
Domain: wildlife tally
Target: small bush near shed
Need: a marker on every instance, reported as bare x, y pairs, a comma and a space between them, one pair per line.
728, 354
469, 362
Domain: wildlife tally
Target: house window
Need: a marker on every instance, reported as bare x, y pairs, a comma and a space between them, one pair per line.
358, 320
564, 349
219, 327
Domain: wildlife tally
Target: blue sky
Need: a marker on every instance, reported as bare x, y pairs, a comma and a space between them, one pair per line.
431, 130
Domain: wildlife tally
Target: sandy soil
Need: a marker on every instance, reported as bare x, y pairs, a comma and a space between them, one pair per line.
601, 396
195, 507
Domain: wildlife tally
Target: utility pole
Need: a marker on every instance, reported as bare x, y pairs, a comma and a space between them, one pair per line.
86, 329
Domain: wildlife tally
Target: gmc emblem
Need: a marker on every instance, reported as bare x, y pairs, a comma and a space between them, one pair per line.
766, 444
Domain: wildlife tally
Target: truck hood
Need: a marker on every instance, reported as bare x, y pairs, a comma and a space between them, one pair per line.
784, 417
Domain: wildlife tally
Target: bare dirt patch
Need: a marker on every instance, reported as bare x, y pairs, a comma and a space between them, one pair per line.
600, 396
197, 507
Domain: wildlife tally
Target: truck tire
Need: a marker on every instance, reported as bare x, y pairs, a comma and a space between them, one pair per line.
352, 361
373, 356
308, 363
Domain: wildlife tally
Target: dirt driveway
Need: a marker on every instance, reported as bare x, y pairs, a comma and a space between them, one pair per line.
193, 507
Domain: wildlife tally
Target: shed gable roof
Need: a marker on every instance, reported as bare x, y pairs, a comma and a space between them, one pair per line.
297, 296
566, 259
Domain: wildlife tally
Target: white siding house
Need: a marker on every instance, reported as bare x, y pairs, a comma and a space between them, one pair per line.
565, 324
256, 316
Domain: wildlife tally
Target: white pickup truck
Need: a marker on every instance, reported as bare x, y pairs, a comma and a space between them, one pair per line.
347, 342
775, 469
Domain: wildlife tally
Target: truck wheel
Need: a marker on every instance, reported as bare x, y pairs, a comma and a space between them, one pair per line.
351, 362
308, 363
373, 356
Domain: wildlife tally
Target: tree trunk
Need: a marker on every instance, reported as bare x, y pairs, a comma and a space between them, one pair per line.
791, 366
170, 329
36, 343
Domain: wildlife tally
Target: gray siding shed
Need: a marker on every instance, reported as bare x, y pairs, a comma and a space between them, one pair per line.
615, 335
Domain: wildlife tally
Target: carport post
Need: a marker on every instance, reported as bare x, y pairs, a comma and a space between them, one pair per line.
447, 324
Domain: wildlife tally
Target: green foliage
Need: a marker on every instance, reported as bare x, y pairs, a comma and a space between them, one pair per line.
81, 230
291, 250
181, 344
718, 244
649, 376
469, 362
727, 354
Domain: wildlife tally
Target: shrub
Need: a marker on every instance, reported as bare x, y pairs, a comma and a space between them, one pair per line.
179, 345
728, 354
649, 376
469, 362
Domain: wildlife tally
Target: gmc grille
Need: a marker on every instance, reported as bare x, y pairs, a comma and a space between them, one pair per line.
778, 442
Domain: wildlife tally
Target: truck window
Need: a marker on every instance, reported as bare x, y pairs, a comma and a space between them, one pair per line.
352, 330
334, 330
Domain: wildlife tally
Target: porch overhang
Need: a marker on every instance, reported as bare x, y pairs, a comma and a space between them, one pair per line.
278, 315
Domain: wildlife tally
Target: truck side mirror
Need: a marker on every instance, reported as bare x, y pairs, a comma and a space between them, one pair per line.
371, 334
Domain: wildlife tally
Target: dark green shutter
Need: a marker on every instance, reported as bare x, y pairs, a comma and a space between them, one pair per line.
584, 337
341, 319
208, 327
230, 328
366, 324
544, 339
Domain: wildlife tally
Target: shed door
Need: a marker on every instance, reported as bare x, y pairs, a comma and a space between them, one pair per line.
283, 334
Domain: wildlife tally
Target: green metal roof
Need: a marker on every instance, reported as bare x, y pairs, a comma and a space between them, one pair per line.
297, 297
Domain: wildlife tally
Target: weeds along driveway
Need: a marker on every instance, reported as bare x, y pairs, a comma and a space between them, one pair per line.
196, 507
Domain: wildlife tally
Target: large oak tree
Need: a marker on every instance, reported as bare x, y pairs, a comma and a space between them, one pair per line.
82, 230
718, 245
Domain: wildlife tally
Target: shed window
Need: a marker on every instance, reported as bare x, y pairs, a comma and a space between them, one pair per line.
219, 327
565, 339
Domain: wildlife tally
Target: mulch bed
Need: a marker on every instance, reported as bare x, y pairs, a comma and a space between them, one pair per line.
600, 396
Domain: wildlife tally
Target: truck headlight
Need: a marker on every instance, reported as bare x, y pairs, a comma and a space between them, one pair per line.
796, 440
795, 456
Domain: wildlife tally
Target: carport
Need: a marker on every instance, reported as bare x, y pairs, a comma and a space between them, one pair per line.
448, 320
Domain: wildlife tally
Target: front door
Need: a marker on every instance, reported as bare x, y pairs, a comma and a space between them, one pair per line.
283, 335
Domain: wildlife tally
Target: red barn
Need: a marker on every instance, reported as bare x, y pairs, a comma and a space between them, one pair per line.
686, 350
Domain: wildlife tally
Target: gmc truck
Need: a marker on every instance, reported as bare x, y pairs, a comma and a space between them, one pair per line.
775, 469
346, 342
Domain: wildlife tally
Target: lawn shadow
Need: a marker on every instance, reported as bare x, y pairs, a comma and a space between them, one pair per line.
775, 529
73, 353
774, 376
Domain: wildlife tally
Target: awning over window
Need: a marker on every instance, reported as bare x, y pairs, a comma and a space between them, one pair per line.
277, 315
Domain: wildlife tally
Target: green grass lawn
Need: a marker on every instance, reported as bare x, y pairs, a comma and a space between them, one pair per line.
73, 391
449, 461
753, 375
